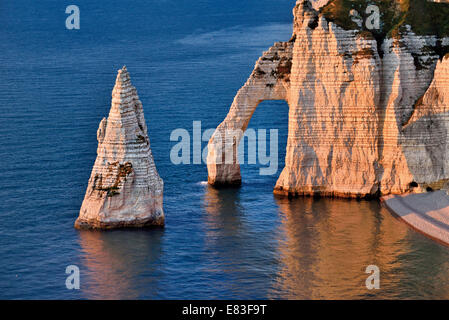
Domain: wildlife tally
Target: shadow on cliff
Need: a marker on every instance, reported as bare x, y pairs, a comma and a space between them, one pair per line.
121, 264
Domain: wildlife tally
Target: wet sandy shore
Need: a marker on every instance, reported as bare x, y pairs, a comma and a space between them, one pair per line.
427, 213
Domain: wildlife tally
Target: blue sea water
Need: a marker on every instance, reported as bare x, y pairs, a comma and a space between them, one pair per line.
187, 60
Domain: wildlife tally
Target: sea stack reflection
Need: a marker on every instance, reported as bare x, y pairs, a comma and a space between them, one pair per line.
124, 188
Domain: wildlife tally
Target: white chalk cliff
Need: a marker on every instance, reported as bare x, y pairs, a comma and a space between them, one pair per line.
124, 188
367, 116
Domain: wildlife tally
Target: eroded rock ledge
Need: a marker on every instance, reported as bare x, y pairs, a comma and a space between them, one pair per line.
124, 188
365, 118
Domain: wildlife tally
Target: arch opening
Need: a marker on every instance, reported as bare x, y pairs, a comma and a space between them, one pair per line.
264, 143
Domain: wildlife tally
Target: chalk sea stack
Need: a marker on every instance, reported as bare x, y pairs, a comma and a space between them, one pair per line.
368, 108
124, 188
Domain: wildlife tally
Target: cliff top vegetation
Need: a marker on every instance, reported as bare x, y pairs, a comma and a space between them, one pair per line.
424, 17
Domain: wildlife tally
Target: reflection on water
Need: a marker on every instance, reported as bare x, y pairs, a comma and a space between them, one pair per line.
328, 243
238, 247
225, 215
290, 249
121, 264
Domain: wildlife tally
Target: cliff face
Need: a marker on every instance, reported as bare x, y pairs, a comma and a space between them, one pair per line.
367, 111
124, 188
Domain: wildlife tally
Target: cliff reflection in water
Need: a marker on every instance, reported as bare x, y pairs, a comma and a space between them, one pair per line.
328, 243
121, 264
237, 243
245, 244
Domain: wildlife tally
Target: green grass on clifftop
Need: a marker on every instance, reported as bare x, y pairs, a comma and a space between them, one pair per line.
425, 18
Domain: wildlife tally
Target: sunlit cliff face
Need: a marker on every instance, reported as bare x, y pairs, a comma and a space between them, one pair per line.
319, 3
355, 98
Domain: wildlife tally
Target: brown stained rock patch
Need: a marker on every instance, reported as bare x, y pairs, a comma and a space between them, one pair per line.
365, 53
259, 73
118, 175
284, 68
141, 139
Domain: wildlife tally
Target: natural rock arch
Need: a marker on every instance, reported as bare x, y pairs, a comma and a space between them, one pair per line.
366, 118
270, 80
